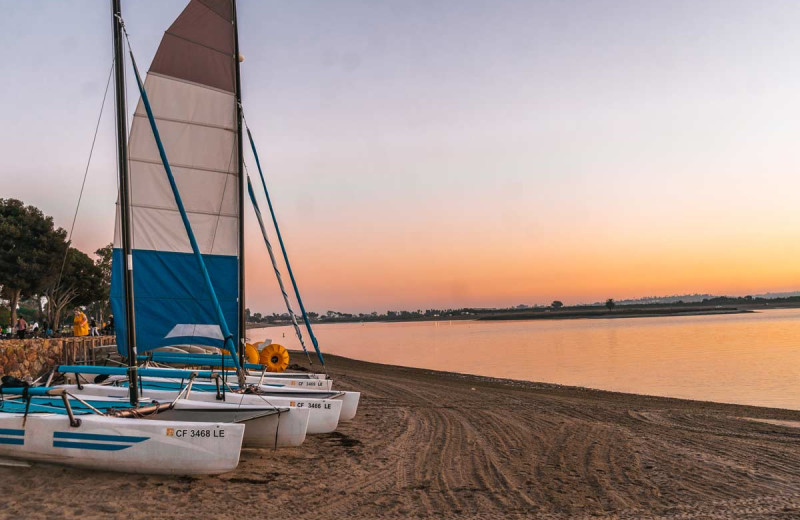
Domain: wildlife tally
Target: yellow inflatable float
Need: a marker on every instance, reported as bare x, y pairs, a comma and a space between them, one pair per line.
275, 357
251, 353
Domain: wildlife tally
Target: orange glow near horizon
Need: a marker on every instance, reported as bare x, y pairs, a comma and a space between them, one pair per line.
436, 272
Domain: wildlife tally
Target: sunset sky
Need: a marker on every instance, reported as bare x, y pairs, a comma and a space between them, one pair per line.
461, 153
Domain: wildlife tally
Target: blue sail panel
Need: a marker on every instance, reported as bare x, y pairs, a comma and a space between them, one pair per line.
171, 302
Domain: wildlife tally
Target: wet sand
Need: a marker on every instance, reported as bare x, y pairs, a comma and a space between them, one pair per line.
434, 444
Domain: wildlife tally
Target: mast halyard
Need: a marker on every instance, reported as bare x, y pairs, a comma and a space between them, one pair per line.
240, 189
124, 199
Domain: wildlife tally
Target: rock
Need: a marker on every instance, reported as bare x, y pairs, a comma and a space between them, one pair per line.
31, 357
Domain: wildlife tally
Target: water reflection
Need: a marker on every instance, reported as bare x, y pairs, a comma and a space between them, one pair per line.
744, 358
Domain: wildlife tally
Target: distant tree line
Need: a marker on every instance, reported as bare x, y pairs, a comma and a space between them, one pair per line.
41, 275
399, 315
475, 312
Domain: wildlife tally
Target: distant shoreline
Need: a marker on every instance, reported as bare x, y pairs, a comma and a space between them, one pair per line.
593, 313
611, 314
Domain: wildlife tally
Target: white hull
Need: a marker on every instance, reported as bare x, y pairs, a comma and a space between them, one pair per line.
265, 426
292, 375
126, 445
317, 384
349, 399
283, 428
270, 379
323, 413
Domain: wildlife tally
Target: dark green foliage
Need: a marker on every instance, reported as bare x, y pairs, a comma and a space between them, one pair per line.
31, 249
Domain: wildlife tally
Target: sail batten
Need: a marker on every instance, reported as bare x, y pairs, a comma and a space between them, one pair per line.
190, 87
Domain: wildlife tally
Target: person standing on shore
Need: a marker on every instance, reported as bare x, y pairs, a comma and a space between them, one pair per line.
22, 327
93, 327
80, 325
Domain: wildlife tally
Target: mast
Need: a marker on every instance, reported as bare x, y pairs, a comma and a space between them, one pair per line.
240, 187
124, 199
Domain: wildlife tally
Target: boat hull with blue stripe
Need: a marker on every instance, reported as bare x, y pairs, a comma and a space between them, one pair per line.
122, 444
268, 424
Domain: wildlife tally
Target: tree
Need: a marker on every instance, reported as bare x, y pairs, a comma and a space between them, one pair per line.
610, 303
31, 251
81, 283
556, 305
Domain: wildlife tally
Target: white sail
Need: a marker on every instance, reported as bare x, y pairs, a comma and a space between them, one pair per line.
191, 88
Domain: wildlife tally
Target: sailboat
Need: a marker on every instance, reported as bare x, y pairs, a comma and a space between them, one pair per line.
188, 125
326, 408
195, 82
194, 214
85, 439
32, 429
169, 209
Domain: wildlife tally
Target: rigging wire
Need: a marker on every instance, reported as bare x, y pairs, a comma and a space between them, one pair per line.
275, 267
85, 175
283, 247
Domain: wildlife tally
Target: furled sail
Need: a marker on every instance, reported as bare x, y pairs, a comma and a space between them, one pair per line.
191, 87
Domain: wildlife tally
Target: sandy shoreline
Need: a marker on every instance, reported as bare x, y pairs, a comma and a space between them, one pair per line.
436, 444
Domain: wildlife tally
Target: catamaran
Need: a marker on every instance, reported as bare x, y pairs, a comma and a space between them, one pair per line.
186, 199
163, 217
321, 414
38, 431
82, 438
194, 80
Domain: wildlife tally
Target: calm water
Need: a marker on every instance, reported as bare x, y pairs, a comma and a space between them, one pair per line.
743, 358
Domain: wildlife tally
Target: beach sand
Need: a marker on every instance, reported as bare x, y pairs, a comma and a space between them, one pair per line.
433, 444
